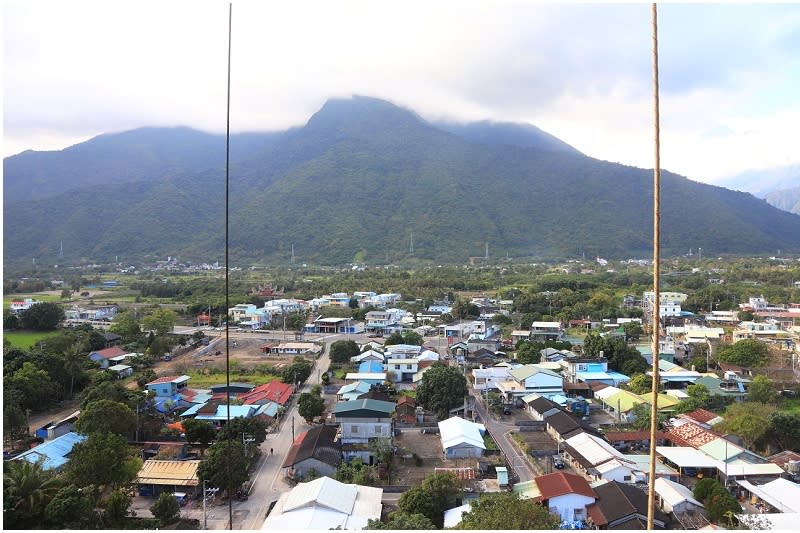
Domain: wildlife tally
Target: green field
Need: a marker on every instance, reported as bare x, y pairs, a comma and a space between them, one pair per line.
26, 339
202, 381
8, 298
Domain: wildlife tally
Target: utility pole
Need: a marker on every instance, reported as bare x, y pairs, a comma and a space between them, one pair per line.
205, 496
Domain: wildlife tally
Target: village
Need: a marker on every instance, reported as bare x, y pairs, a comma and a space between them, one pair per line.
559, 429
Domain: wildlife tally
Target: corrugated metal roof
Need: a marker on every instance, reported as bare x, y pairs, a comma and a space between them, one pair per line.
455, 430
323, 491
155, 472
674, 493
53, 453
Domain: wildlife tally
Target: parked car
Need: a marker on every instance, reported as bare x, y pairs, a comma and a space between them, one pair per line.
507, 410
558, 463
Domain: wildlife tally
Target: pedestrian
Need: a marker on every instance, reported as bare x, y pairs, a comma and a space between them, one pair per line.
270, 451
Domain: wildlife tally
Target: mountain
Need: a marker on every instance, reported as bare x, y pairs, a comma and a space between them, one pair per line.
352, 185
786, 199
762, 182
493, 133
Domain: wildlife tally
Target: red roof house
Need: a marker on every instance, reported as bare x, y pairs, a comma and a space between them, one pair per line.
274, 391
103, 356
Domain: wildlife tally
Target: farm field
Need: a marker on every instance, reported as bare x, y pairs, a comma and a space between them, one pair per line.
26, 339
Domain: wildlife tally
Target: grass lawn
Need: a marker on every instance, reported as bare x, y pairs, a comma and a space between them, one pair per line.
26, 339
8, 298
202, 381
791, 406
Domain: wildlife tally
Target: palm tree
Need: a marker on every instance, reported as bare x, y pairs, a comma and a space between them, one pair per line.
75, 363
27, 489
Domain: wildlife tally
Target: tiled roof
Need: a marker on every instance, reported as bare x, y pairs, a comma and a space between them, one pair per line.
108, 353
784, 457
690, 434
164, 379
561, 483
701, 415
274, 391
620, 500
622, 436
319, 443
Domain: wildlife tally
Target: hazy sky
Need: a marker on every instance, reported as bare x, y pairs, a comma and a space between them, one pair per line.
730, 73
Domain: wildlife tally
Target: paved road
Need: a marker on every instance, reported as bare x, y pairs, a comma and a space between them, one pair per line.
518, 461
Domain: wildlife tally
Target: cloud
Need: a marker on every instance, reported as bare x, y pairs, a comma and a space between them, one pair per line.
579, 71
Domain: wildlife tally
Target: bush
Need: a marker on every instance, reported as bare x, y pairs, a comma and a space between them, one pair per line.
166, 509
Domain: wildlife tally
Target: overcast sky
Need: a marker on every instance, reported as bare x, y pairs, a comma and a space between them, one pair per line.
730, 73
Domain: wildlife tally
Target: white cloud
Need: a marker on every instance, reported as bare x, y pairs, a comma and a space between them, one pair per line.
581, 72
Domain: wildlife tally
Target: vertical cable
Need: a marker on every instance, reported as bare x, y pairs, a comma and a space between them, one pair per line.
651, 503
227, 269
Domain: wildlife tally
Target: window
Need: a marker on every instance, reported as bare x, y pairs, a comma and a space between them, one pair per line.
378, 430
408, 367
353, 430
397, 367
578, 514
626, 478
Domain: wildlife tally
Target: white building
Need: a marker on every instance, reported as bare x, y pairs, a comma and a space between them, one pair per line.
461, 438
325, 504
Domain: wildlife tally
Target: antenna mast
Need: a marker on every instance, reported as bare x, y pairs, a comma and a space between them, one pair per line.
411, 247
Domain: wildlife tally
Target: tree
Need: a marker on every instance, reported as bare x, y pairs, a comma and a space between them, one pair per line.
412, 337
10, 322
310, 406
27, 489
633, 330
703, 488
401, 521
102, 459
107, 416
494, 403
297, 371
784, 430
641, 417
126, 325
640, 384
73, 508
394, 338
117, 506
35, 386
528, 352
226, 466
43, 316
342, 351
66, 294
761, 390
437, 492
441, 388
506, 510
251, 428
699, 393
748, 420
721, 504
746, 353
160, 321
15, 423
199, 431
166, 510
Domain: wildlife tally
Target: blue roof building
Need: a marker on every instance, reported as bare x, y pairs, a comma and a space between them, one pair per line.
54, 453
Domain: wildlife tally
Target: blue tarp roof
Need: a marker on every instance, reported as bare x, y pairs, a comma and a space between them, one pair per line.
370, 366
53, 453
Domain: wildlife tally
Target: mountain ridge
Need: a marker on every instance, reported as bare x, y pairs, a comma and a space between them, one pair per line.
361, 175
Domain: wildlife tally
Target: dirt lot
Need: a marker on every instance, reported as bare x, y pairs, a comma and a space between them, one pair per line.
246, 351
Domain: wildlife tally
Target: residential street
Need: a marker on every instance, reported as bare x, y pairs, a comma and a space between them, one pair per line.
518, 461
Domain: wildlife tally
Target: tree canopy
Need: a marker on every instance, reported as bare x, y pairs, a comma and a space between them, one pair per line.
102, 459
342, 351
310, 406
432, 497
746, 353
42, 316
399, 520
507, 510
106, 416
441, 388
225, 467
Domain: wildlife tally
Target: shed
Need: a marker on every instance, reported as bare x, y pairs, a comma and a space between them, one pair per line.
674, 497
156, 477
54, 453
121, 371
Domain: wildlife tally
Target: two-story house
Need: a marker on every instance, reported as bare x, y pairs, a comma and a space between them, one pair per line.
399, 370
167, 386
360, 422
527, 379
547, 331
